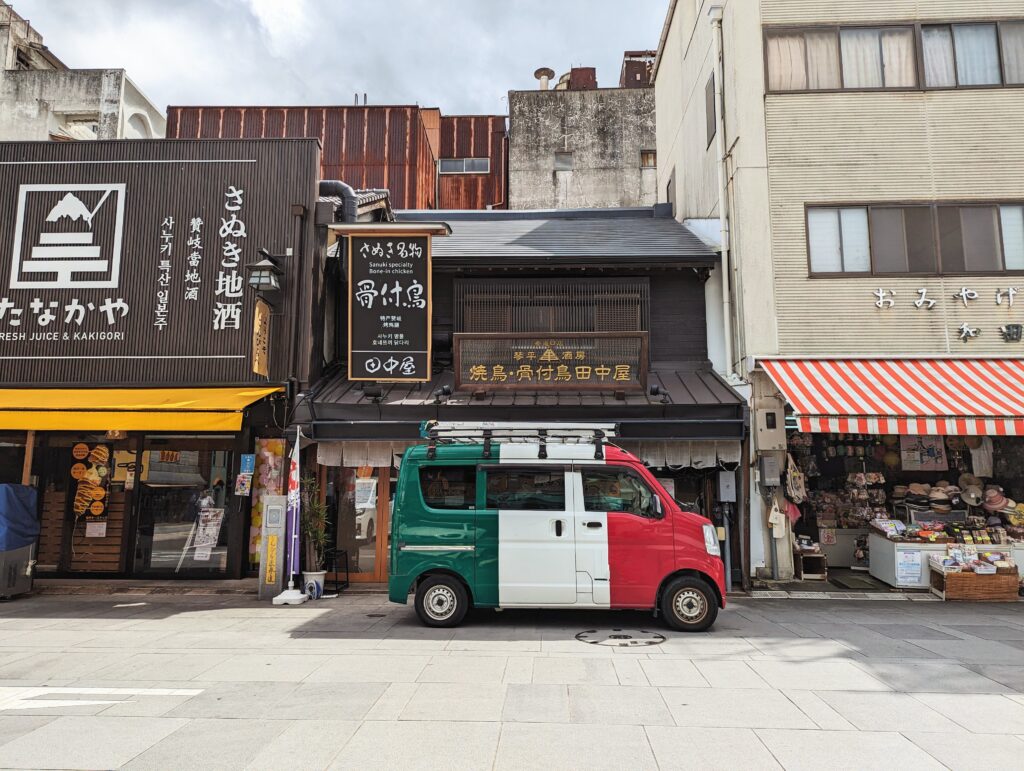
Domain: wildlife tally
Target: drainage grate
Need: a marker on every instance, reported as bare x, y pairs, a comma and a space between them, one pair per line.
620, 638
376, 615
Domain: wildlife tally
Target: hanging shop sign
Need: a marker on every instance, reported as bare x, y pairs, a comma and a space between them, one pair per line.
389, 307
608, 361
121, 253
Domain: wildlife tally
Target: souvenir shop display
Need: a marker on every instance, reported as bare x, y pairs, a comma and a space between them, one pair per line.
892, 503
966, 573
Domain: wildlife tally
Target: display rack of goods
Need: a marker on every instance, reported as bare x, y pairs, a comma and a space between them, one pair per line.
979, 576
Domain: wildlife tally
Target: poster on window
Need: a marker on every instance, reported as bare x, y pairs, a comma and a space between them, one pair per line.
207, 533
366, 493
90, 474
923, 453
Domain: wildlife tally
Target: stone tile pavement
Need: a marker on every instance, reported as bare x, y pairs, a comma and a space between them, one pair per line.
153, 680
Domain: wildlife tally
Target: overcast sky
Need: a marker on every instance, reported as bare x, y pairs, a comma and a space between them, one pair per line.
460, 55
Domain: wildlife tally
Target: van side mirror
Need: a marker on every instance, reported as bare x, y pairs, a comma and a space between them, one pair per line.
656, 506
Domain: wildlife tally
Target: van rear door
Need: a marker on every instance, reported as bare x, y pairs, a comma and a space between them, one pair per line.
536, 534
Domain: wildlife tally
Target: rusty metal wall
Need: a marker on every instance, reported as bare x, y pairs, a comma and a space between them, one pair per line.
474, 136
45, 338
366, 146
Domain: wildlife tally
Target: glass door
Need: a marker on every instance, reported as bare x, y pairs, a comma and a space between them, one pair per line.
358, 509
183, 508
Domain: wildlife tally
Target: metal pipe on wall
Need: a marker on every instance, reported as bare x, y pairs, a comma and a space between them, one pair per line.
715, 13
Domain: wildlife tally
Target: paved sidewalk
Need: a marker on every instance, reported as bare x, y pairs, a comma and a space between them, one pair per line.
221, 681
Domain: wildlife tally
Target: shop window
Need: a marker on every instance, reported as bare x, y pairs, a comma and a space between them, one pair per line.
616, 490
184, 506
448, 487
526, 490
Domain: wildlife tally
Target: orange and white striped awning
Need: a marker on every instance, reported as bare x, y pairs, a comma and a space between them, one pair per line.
903, 396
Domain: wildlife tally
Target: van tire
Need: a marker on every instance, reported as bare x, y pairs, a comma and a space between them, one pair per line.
441, 601
689, 604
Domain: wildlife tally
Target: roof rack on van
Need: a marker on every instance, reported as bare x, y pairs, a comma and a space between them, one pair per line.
486, 432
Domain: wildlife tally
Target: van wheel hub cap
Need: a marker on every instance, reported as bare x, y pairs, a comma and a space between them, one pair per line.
439, 602
690, 605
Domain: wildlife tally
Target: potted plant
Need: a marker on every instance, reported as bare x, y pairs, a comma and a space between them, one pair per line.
314, 531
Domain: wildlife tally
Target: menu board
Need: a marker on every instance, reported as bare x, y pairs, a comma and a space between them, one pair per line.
389, 308
90, 475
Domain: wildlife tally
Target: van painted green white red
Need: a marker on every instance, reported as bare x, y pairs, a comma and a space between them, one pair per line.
538, 553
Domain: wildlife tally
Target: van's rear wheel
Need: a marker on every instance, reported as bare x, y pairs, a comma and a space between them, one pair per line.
441, 601
689, 604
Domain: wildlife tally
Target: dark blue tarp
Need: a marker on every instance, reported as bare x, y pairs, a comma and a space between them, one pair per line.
19, 525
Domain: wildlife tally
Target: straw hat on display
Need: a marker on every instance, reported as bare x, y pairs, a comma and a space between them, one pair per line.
969, 480
973, 495
995, 500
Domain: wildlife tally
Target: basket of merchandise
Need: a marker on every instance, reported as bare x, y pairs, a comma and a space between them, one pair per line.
967, 574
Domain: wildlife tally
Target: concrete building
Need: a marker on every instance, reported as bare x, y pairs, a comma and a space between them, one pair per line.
865, 159
42, 98
581, 146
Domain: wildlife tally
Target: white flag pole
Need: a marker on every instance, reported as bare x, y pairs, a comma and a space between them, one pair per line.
291, 595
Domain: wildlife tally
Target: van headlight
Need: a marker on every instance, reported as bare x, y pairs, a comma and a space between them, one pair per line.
711, 541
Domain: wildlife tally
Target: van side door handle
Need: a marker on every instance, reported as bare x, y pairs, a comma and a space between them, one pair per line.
558, 528
592, 524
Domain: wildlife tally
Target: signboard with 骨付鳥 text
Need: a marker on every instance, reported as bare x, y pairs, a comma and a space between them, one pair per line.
608, 361
389, 306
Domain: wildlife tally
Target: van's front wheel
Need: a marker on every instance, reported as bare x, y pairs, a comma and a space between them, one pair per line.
689, 604
441, 601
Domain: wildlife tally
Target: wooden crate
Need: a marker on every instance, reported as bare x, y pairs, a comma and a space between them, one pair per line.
808, 566
999, 587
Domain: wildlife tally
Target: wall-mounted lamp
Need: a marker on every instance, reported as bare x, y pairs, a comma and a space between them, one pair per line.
263, 275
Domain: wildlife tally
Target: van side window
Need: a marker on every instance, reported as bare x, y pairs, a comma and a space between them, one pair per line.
616, 489
526, 490
448, 487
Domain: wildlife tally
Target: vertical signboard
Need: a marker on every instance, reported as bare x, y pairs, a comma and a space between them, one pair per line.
389, 307
261, 339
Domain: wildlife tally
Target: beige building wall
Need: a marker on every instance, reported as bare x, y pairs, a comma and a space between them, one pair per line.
899, 147
688, 164
788, 151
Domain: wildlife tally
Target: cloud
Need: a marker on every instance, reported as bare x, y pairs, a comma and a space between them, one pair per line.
460, 55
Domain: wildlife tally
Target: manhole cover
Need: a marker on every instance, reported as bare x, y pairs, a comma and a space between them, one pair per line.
620, 638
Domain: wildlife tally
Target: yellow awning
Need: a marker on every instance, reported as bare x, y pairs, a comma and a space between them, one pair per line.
127, 409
